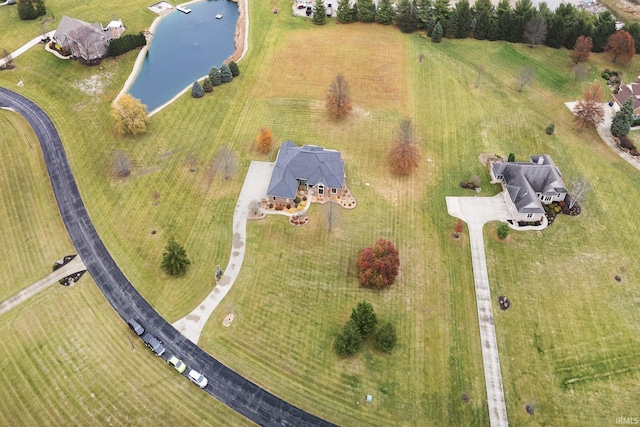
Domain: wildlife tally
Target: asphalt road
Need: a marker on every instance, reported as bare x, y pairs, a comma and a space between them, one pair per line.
240, 394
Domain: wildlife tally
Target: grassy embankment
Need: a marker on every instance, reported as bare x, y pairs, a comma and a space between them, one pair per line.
571, 332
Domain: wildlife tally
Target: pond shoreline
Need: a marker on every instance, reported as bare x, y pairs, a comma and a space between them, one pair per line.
240, 42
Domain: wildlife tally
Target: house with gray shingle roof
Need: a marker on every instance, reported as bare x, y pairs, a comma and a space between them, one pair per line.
85, 41
626, 91
310, 166
528, 185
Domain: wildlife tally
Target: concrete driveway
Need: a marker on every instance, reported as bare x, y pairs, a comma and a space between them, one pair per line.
255, 187
477, 211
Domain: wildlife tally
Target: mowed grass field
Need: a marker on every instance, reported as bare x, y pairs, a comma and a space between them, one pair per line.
569, 346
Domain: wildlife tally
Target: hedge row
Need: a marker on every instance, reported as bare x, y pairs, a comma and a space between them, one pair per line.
126, 43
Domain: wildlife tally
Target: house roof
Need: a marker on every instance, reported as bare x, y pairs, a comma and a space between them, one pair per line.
524, 180
68, 25
625, 92
312, 163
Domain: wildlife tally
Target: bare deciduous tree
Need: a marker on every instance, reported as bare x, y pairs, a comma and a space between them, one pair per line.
6, 60
226, 161
191, 161
580, 72
479, 76
338, 101
526, 76
404, 155
579, 189
331, 216
255, 208
121, 164
535, 31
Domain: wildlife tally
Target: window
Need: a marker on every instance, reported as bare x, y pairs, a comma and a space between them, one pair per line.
500, 177
320, 190
529, 216
334, 191
547, 198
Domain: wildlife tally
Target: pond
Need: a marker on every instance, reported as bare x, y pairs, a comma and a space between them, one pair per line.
183, 49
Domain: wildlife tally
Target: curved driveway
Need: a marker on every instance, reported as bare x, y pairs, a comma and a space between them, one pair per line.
240, 394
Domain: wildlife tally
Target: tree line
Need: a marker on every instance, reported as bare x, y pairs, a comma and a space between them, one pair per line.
520, 23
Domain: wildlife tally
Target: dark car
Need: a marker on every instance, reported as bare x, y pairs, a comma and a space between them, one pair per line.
136, 327
154, 344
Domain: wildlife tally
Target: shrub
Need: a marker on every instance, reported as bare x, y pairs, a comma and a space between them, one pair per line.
30, 9
197, 91
235, 71
125, 43
474, 180
550, 129
503, 231
386, 337
214, 76
634, 153
511, 158
296, 201
605, 75
225, 73
626, 142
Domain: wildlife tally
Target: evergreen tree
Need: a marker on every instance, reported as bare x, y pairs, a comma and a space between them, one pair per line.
365, 319
406, 16
27, 10
319, 13
207, 86
235, 71
197, 90
345, 13
348, 342
174, 259
627, 109
604, 26
523, 12
504, 19
425, 13
483, 11
386, 12
386, 338
463, 10
366, 11
620, 125
441, 12
452, 25
634, 30
215, 77
225, 73
436, 35
41, 10
555, 29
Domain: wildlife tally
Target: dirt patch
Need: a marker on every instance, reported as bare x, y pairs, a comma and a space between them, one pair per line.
228, 320
93, 85
237, 241
193, 318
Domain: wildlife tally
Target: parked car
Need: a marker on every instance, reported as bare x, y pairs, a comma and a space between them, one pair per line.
154, 344
177, 364
198, 379
136, 327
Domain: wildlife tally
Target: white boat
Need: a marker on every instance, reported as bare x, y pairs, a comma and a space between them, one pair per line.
218, 16
183, 9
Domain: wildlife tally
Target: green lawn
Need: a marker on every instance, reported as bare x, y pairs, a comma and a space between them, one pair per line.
569, 345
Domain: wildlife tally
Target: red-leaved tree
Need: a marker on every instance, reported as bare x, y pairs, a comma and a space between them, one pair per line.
378, 266
621, 46
581, 50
